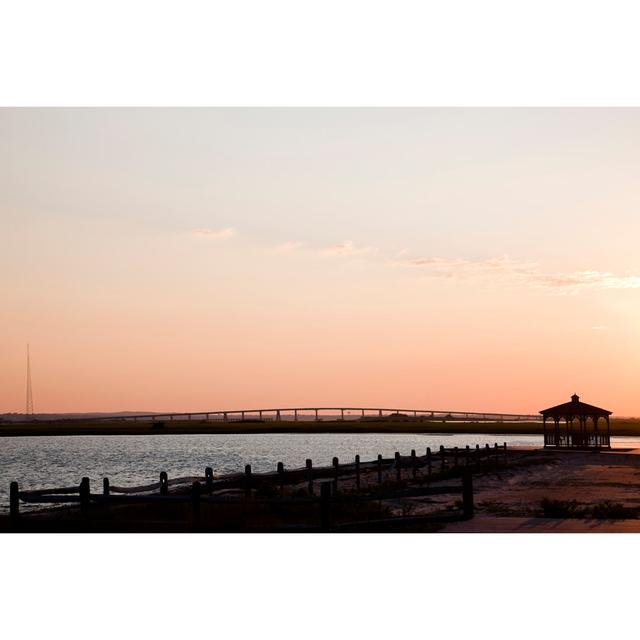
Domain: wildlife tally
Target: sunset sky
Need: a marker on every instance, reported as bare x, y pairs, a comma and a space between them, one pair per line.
203, 259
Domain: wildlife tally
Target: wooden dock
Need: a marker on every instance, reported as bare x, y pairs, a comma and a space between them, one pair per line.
351, 496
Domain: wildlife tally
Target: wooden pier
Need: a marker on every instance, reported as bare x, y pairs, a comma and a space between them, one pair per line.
356, 495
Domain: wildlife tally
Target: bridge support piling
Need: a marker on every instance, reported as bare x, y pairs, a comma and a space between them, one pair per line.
325, 506
281, 477
309, 465
14, 500
195, 504
85, 493
247, 481
467, 494
164, 483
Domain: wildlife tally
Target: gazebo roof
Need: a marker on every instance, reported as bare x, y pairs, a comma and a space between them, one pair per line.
575, 407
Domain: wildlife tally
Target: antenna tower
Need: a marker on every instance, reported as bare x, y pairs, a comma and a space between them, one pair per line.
29, 410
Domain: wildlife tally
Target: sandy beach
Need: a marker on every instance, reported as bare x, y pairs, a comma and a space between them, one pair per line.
510, 501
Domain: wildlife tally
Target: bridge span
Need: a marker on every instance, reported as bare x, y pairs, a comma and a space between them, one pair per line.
297, 414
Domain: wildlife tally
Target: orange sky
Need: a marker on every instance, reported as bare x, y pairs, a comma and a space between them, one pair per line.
160, 259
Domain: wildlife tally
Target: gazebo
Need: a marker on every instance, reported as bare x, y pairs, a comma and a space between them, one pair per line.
576, 425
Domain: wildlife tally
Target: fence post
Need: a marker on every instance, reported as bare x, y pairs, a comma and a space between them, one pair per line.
247, 481
442, 454
325, 506
477, 454
429, 461
309, 465
85, 491
413, 463
466, 455
495, 450
335, 474
14, 500
379, 468
105, 486
398, 469
281, 476
208, 474
164, 483
505, 451
455, 457
195, 503
467, 494
357, 472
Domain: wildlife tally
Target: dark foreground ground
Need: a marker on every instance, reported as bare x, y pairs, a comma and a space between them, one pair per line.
619, 427
524, 491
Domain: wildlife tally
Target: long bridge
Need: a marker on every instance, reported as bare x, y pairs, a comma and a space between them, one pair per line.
296, 414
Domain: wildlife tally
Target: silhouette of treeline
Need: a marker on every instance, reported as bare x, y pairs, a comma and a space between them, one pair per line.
619, 427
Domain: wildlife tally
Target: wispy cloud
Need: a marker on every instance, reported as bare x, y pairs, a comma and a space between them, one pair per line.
505, 270
599, 327
227, 232
287, 247
347, 248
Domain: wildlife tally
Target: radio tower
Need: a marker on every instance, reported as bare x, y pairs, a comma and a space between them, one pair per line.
29, 392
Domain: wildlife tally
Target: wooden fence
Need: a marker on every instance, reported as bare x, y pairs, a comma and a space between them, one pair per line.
397, 478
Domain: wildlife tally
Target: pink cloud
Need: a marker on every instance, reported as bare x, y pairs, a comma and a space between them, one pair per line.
347, 248
504, 269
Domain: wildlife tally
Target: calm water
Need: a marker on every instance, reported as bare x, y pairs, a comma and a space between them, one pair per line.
134, 460
59, 461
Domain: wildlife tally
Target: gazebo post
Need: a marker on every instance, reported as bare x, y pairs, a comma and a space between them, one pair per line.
608, 434
544, 429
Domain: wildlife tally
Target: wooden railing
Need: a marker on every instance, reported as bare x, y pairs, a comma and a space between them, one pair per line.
353, 483
577, 439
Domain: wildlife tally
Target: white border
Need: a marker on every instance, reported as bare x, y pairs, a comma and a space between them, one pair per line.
312, 53
335, 52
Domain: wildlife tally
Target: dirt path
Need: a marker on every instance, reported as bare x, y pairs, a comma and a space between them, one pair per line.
510, 500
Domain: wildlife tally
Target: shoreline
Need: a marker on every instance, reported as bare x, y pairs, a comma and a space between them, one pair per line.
520, 489
622, 427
